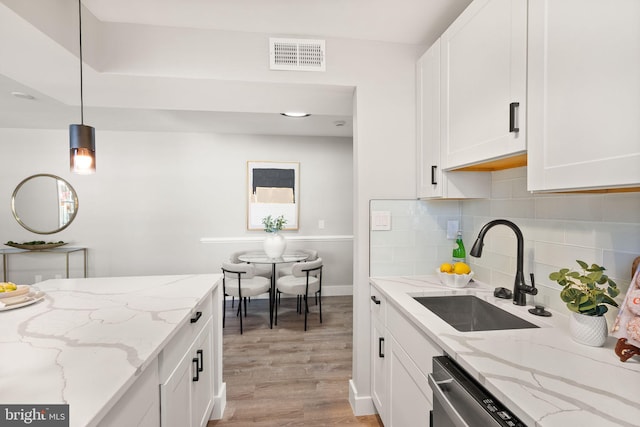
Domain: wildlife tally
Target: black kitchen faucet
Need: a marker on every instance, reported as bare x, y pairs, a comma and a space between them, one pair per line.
520, 288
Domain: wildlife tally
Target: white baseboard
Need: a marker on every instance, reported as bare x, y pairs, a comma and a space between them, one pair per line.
360, 405
339, 290
219, 403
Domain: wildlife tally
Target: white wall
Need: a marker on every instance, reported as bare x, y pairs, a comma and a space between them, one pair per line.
175, 203
558, 229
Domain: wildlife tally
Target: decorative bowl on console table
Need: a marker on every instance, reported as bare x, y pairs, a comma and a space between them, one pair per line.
36, 245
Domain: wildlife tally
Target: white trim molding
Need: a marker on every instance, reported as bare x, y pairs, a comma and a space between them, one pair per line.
337, 238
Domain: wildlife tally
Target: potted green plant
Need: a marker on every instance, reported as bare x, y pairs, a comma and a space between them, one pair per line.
275, 243
272, 225
587, 293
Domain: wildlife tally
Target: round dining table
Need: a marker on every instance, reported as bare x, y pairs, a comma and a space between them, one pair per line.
262, 258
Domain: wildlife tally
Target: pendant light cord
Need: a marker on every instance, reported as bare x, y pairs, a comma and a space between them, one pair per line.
80, 38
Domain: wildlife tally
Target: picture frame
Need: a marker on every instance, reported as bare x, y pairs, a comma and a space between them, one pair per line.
273, 188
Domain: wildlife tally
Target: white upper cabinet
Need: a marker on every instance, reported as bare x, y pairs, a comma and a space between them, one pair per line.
584, 94
433, 182
483, 78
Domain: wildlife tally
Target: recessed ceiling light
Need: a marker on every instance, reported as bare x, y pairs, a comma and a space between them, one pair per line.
295, 114
22, 95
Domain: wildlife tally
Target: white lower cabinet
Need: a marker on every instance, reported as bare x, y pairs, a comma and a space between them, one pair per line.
379, 362
401, 361
140, 405
410, 395
186, 396
187, 372
202, 381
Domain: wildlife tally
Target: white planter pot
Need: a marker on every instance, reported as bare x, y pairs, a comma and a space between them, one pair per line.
588, 330
274, 245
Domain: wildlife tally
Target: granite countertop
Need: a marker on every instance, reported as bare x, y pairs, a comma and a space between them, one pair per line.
541, 374
87, 341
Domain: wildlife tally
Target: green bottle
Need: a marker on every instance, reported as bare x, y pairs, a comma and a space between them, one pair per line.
459, 254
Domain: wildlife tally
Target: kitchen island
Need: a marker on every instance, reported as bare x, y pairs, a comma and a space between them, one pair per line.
108, 347
540, 374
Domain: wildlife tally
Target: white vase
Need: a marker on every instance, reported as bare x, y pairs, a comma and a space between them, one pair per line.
588, 330
274, 245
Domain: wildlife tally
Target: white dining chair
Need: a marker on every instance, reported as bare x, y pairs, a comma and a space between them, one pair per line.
264, 271
312, 255
240, 280
305, 279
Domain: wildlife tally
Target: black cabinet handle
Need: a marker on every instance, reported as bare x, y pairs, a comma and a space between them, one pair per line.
201, 360
197, 317
380, 342
433, 174
512, 117
197, 376
374, 299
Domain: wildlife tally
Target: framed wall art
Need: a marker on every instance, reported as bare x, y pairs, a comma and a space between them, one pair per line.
273, 188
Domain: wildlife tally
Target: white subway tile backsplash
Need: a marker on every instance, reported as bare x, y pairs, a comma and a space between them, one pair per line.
501, 189
580, 233
569, 207
623, 207
513, 208
565, 256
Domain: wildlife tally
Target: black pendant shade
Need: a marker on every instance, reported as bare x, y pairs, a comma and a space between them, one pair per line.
82, 143
82, 138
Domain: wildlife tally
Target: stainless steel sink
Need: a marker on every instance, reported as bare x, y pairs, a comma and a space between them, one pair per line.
469, 313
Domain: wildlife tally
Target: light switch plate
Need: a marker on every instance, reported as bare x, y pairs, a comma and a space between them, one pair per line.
452, 229
380, 221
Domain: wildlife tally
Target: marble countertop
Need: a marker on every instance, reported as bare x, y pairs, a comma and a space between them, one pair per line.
541, 374
87, 341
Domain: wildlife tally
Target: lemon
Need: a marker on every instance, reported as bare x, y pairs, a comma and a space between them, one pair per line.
9, 286
461, 268
445, 267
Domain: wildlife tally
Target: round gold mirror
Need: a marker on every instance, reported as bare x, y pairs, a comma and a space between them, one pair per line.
44, 204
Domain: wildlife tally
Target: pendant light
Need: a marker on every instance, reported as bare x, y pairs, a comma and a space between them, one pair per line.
82, 138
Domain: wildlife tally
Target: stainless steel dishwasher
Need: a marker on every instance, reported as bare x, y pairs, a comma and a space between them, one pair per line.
460, 401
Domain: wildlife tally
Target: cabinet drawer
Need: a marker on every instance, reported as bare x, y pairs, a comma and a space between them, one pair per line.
419, 346
181, 342
378, 305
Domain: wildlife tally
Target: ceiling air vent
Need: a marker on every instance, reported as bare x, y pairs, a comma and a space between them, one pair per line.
297, 54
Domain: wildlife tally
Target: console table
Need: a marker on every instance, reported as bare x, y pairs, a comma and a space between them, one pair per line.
59, 250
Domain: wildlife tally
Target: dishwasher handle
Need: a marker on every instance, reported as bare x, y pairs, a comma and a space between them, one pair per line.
439, 395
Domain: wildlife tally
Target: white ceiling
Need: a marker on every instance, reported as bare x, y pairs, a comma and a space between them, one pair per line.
412, 22
396, 21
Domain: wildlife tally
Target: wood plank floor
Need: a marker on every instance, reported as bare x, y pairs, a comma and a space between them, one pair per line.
285, 376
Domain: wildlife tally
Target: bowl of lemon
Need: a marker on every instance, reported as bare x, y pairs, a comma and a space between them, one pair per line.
455, 275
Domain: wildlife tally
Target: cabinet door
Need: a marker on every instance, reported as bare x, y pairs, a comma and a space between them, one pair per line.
202, 388
410, 404
379, 354
483, 77
428, 102
175, 395
584, 79
433, 182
